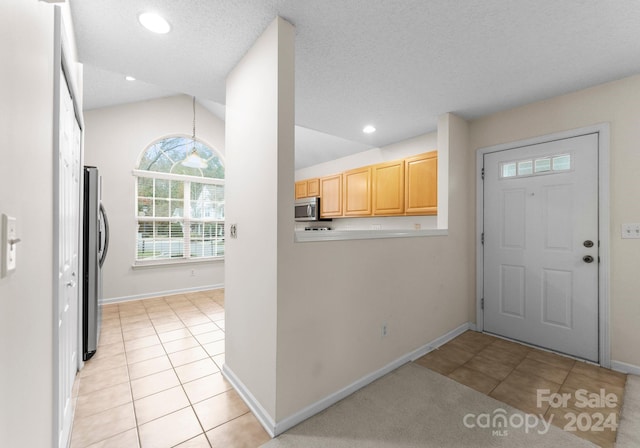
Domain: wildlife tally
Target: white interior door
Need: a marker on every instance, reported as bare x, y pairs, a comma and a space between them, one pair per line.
540, 281
68, 241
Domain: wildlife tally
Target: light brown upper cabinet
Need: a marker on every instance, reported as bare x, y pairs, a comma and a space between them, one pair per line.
357, 192
421, 184
313, 188
308, 188
401, 187
388, 188
301, 189
331, 196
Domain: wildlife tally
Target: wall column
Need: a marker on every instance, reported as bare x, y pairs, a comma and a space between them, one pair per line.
259, 195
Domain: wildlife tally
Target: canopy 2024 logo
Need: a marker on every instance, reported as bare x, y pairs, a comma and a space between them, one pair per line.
500, 422
604, 418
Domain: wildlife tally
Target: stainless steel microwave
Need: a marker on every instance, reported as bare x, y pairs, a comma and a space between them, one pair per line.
307, 209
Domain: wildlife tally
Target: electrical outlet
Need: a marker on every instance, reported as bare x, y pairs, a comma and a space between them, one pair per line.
384, 330
630, 231
193, 272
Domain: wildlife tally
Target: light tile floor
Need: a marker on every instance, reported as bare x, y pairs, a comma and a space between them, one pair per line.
513, 373
155, 379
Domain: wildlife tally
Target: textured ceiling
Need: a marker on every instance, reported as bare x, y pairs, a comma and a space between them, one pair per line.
397, 64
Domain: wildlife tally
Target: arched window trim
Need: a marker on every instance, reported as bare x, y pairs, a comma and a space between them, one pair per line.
192, 231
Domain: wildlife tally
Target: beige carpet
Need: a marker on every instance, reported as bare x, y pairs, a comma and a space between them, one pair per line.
629, 429
415, 407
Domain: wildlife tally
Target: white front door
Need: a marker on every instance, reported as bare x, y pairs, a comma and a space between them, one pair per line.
68, 208
540, 281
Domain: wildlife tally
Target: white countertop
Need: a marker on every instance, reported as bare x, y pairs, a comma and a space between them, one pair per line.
304, 236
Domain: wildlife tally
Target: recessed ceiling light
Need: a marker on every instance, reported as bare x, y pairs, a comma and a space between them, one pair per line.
153, 22
129, 78
369, 129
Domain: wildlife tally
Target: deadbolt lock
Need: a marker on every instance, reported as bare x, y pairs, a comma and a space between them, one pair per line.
588, 243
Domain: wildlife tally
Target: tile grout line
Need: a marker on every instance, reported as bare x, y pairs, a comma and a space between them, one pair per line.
532, 373
113, 407
180, 316
135, 414
567, 375
191, 404
499, 381
173, 369
182, 384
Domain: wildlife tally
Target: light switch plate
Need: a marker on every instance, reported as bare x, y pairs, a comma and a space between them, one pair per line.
9, 244
630, 231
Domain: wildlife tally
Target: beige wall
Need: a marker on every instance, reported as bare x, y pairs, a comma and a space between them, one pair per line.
115, 137
304, 319
337, 294
260, 148
395, 151
617, 103
26, 296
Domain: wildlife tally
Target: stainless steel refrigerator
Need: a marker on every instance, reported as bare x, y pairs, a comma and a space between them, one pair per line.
95, 246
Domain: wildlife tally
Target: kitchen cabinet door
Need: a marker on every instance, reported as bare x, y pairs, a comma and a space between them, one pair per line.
301, 189
421, 184
357, 192
313, 188
388, 188
331, 196
308, 188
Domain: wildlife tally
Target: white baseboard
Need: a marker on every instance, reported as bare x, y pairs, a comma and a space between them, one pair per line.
437, 342
275, 429
149, 295
623, 367
260, 413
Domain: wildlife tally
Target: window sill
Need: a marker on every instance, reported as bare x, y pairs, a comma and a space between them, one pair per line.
169, 263
305, 236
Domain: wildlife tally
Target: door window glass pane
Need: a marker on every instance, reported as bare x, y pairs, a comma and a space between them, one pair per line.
508, 170
525, 168
562, 163
542, 165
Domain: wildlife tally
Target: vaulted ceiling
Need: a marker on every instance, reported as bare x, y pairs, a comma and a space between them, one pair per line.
395, 64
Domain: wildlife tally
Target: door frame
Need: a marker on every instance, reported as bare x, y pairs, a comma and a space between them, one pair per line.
62, 62
602, 130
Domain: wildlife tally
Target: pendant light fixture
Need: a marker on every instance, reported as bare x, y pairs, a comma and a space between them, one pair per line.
193, 160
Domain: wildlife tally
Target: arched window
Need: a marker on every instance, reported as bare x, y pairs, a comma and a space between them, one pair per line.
179, 202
